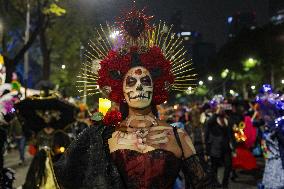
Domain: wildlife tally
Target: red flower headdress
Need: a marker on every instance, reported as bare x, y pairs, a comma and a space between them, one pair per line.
159, 51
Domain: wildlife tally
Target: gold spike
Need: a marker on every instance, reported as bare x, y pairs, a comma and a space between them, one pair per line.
167, 36
108, 27
181, 66
181, 90
89, 94
158, 32
107, 49
180, 87
169, 56
91, 82
186, 76
95, 49
183, 84
92, 89
151, 38
88, 86
184, 67
176, 63
184, 87
90, 58
171, 44
184, 71
87, 78
82, 77
100, 43
89, 71
88, 75
177, 49
87, 65
179, 57
95, 53
185, 79
160, 40
101, 52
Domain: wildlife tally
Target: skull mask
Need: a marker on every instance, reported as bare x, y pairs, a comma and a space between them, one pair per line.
138, 87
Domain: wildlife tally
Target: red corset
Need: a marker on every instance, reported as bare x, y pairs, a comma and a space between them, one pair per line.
157, 169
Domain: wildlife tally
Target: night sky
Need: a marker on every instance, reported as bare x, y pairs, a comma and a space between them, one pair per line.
209, 17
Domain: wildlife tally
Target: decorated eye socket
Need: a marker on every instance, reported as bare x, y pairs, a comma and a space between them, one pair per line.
146, 81
130, 81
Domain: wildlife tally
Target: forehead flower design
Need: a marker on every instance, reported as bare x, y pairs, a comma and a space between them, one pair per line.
136, 43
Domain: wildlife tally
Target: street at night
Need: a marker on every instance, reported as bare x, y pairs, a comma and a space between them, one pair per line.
140, 94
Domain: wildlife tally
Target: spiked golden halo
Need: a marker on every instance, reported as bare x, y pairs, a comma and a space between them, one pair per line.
110, 38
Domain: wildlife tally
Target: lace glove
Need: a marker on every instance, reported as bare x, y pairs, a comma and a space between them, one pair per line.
196, 175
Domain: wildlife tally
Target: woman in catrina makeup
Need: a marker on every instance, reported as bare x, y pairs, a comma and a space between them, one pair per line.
132, 148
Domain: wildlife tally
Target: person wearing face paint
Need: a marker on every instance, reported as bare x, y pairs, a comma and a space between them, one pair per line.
132, 148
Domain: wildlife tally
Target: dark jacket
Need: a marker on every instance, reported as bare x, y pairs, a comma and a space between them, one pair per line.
219, 139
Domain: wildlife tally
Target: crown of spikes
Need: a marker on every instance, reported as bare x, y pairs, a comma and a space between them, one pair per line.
131, 42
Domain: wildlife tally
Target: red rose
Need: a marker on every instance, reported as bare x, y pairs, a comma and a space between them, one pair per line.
112, 118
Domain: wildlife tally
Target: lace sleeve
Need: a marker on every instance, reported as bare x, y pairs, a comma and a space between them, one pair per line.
196, 174
194, 170
86, 163
70, 169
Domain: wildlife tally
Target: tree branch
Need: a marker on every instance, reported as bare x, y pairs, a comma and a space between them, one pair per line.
32, 38
9, 4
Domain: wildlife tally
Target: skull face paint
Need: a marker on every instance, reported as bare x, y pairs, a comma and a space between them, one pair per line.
138, 87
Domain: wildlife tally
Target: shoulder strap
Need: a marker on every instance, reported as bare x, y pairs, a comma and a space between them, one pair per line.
178, 141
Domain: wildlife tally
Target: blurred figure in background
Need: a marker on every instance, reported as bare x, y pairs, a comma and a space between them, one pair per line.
206, 113
17, 132
51, 145
6, 174
181, 116
235, 117
197, 130
3, 138
45, 137
219, 140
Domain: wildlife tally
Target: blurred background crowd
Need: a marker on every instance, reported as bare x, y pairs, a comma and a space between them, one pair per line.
235, 137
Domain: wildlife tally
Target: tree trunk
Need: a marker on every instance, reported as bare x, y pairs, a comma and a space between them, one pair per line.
10, 68
245, 91
45, 55
272, 81
11, 62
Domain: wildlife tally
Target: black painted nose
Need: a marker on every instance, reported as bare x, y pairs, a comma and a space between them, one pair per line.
139, 88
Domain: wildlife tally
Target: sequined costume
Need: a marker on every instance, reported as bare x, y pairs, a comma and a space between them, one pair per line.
273, 176
89, 164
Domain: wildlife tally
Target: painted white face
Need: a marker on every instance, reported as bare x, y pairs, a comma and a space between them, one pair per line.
138, 87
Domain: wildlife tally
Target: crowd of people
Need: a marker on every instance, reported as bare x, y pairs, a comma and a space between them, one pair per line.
234, 134
40, 141
226, 133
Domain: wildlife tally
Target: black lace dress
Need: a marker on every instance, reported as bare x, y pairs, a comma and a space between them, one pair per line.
88, 164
